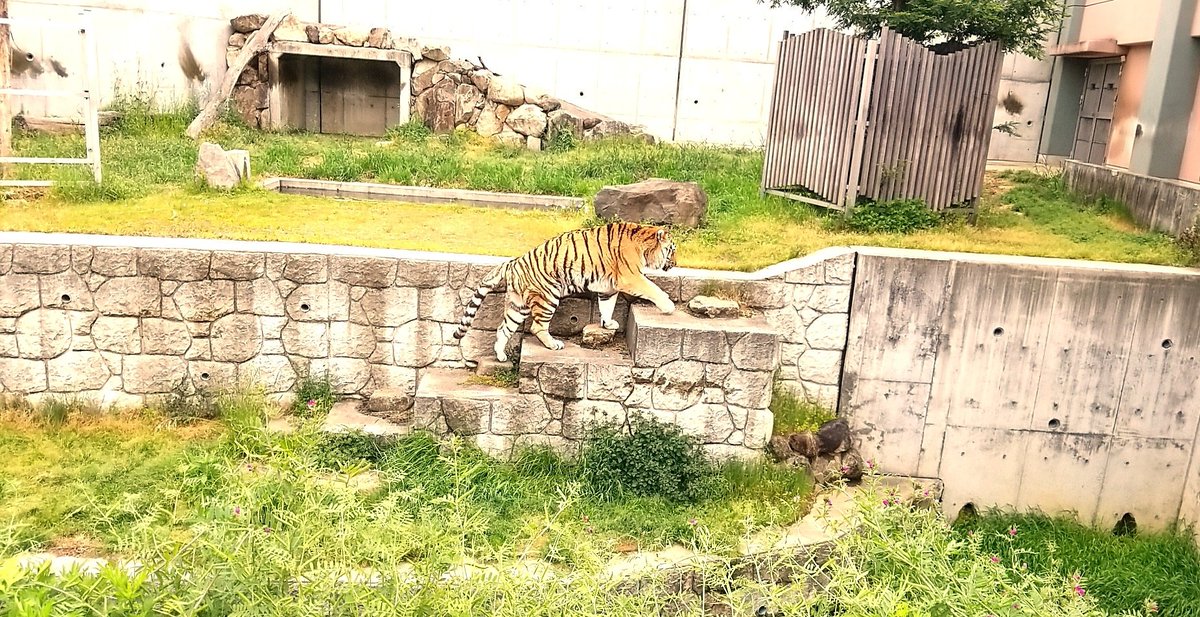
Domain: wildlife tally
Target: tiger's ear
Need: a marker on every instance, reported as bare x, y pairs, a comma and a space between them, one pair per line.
661, 234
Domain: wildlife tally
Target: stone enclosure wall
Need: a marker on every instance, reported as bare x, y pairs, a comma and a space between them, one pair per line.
124, 319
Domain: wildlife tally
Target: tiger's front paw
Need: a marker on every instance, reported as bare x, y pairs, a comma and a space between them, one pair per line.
501, 356
667, 307
610, 324
555, 344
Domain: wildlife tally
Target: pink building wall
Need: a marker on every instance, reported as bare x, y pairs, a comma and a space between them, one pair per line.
1130, 22
1125, 112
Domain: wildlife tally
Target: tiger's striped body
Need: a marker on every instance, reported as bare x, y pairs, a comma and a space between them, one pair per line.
603, 260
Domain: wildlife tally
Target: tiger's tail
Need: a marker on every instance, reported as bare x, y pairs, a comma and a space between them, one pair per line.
493, 278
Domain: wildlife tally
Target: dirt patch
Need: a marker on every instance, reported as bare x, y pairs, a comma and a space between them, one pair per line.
77, 546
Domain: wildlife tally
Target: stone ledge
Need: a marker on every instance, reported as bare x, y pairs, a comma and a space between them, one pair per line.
654, 339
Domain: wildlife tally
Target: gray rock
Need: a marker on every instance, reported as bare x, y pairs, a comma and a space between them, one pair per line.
22, 376
609, 383
481, 78
834, 436
363, 271
654, 201
466, 416
528, 120
306, 268
290, 29
354, 37
320, 34
40, 259
466, 99
678, 385
544, 101
805, 444
437, 53
506, 91
259, 297
160, 336
509, 137
751, 389
306, 339
596, 336
204, 300
216, 168
520, 415
563, 380
246, 24
379, 38
18, 294
237, 266
274, 373
707, 306
491, 119
350, 340
118, 334
436, 106
417, 344
113, 261
390, 307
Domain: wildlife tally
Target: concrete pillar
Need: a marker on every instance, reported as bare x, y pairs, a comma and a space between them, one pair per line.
1066, 86
1169, 94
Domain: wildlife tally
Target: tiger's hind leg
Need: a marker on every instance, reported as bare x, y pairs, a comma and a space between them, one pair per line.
542, 309
514, 316
608, 304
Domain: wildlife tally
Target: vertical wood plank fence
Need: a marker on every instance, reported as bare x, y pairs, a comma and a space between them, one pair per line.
882, 119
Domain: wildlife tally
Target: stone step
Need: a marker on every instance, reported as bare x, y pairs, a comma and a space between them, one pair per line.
345, 417
497, 419
654, 339
575, 372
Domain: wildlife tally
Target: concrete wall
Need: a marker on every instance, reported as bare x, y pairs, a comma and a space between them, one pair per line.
1125, 111
1029, 383
1165, 205
168, 48
1130, 22
694, 70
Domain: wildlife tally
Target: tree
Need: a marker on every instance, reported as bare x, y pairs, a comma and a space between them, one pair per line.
1019, 25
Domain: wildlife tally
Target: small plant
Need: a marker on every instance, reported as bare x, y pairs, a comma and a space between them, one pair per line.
1189, 241
186, 405
55, 411
338, 451
561, 139
650, 459
502, 378
793, 414
902, 216
413, 131
314, 397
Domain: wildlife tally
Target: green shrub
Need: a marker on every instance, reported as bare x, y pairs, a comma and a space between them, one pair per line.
314, 397
893, 217
413, 131
352, 448
651, 459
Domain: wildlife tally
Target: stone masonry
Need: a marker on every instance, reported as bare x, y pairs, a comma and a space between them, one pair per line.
122, 321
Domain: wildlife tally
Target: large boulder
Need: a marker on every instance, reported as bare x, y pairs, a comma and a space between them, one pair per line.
246, 24
528, 120
657, 201
220, 168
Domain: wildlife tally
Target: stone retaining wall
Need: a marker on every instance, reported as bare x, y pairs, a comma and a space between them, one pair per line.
122, 320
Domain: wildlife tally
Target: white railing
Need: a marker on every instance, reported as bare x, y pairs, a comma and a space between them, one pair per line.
91, 104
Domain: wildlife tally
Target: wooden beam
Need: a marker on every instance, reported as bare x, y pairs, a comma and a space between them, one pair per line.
257, 44
800, 198
6, 97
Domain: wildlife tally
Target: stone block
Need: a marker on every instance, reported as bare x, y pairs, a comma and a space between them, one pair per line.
705, 346
309, 303
118, 334
830, 299
520, 414
390, 307
77, 371
363, 271
19, 293
678, 385
145, 374
421, 273
238, 266
236, 338
259, 297
40, 259
204, 300
22, 376
66, 290
580, 416
609, 382
751, 389
174, 264
273, 372
306, 269
135, 296
828, 332
417, 343
756, 351
44, 333
596, 336
350, 340
306, 339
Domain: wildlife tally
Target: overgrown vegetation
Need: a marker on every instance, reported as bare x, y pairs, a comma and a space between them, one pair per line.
314, 396
506, 377
1124, 573
149, 190
793, 414
903, 216
649, 459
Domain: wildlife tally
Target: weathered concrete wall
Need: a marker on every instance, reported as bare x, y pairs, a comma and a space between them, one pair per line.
1020, 98
1165, 205
1029, 383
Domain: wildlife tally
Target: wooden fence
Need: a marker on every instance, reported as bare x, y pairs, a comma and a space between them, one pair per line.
881, 119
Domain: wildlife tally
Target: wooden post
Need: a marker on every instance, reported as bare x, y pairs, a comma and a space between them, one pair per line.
258, 43
5, 98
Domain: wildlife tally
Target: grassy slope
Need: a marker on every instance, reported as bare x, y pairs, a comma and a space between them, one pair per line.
149, 190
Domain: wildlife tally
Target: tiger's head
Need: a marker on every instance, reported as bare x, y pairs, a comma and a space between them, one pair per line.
660, 254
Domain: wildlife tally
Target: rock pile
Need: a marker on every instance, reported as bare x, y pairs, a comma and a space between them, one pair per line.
446, 94
656, 201
828, 453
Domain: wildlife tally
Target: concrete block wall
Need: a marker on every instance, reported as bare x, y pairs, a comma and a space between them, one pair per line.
1029, 383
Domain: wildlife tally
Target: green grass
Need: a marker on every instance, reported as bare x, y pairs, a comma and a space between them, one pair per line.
793, 414
1121, 571
149, 189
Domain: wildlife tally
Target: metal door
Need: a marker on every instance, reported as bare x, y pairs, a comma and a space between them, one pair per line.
1096, 110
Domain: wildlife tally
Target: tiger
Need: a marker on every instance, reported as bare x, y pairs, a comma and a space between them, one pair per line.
604, 260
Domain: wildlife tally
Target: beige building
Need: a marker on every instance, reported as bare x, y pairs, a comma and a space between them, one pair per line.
1124, 87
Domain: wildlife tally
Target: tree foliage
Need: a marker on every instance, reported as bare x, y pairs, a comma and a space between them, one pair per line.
1020, 25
